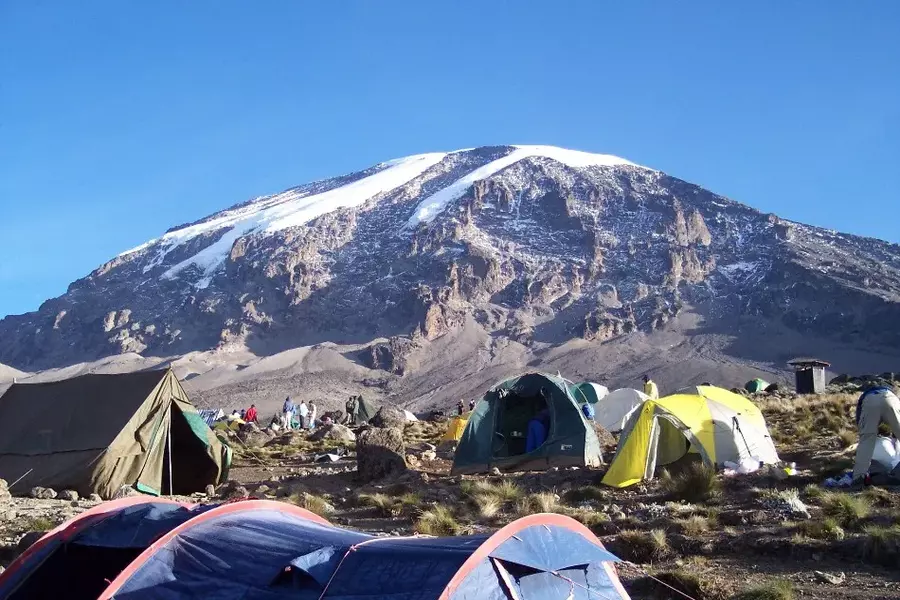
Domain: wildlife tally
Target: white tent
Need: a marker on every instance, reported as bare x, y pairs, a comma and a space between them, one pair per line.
613, 410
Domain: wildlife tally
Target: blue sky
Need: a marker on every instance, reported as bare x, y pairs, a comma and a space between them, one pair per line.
119, 120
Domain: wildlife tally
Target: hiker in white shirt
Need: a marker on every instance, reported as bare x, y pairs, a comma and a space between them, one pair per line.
304, 414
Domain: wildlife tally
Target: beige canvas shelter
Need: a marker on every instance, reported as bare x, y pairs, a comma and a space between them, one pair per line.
96, 433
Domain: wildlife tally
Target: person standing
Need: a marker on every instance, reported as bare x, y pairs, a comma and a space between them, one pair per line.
313, 409
304, 414
460, 408
650, 388
287, 411
252, 416
876, 405
471, 405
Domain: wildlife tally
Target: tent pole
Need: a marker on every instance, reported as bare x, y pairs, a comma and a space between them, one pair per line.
171, 491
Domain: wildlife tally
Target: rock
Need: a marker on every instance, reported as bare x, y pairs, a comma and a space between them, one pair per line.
3, 484
262, 489
5, 496
379, 453
211, 490
26, 541
238, 492
829, 578
42, 493
70, 495
412, 460
388, 416
335, 431
252, 436
125, 491
429, 455
8, 515
95, 498
495, 471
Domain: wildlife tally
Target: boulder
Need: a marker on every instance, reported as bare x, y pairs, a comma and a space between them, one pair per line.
210, 490
388, 416
290, 438
27, 541
70, 495
379, 453
252, 436
125, 491
95, 498
335, 431
42, 493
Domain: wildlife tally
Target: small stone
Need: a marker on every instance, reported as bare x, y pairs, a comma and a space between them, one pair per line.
429, 455
495, 471
829, 578
239, 492
210, 490
95, 498
8, 515
70, 495
263, 489
125, 491
42, 493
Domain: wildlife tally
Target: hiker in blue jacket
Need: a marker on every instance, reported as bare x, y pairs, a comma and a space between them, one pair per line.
876, 405
287, 411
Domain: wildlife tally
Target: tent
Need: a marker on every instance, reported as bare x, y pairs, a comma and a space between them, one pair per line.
140, 548
755, 386
719, 425
211, 415
96, 433
365, 410
615, 409
588, 392
495, 432
455, 428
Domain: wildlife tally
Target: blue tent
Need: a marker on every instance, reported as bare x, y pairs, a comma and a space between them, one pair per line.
263, 550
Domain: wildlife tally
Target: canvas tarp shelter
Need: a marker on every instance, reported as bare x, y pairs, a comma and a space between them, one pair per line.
96, 433
364, 411
616, 408
495, 432
719, 425
141, 548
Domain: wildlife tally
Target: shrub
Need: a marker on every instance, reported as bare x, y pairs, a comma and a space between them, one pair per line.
312, 503
641, 546
438, 521
881, 545
693, 526
813, 492
39, 524
488, 507
698, 483
848, 511
827, 529
384, 504
777, 590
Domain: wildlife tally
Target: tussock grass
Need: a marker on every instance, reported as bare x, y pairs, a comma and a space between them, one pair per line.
488, 507
585, 493
847, 437
590, 518
685, 581
314, 504
881, 545
385, 505
694, 525
505, 491
439, 521
698, 483
540, 502
39, 524
813, 492
881, 497
641, 546
826, 529
848, 511
776, 590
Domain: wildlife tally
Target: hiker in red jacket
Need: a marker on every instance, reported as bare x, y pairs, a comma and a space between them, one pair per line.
252, 416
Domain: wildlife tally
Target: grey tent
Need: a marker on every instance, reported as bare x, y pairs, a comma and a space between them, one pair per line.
495, 435
96, 433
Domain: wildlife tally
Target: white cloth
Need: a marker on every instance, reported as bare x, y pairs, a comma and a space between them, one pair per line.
288, 415
876, 407
304, 410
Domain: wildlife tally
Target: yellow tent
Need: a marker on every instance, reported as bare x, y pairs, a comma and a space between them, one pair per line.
717, 424
455, 429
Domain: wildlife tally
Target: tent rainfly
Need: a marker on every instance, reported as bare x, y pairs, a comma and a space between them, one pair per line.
495, 434
138, 548
755, 386
588, 392
615, 409
717, 424
96, 433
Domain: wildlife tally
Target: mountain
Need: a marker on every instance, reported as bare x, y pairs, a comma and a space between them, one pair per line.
523, 251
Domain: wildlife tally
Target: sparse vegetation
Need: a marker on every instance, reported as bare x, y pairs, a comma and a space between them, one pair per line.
641, 546
881, 545
439, 521
540, 502
39, 524
698, 483
694, 525
813, 492
313, 503
826, 529
776, 590
847, 437
384, 504
585, 493
847, 510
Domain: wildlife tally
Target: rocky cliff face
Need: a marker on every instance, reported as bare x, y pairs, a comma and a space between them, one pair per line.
537, 244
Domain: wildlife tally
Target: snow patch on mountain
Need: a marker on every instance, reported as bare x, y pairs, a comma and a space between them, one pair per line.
282, 211
432, 206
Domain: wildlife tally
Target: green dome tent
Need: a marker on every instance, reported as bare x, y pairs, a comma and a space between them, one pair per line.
757, 385
588, 393
495, 435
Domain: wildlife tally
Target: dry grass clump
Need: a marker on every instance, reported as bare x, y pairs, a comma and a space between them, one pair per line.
697, 483
390, 506
776, 590
826, 529
813, 492
439, 521
586, 493
881, 545
694, 525
593, 520
540, 502
39, 524
847, 510
314, 504
641, 546
881, 497
505, 491
847, 437
685, 581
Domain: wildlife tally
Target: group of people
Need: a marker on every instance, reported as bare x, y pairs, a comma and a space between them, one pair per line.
303, 415
247, 415
461, 407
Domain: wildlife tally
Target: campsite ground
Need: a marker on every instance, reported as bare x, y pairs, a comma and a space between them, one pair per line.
712, 537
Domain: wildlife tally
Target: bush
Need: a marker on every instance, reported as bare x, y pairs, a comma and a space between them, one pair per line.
881, 545
698, 483
849, 511
641, 546
314, 504
693, 526
438, 521
827, 529
813, 492
777, 590
39, 524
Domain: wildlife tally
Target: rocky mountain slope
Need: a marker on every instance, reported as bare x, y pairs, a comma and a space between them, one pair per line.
526, 245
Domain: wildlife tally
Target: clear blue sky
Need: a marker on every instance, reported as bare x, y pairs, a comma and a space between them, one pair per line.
121, 119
